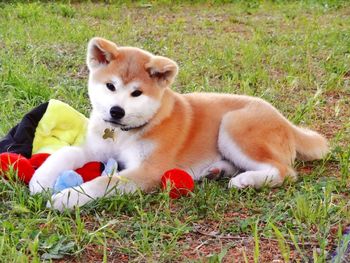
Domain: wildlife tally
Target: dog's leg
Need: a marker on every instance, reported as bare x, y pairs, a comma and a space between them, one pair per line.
257, 174
67, 158
257, 179
266, 157
219, 169
265, 175
127, 181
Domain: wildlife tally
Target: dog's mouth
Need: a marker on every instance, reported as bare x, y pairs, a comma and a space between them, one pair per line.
124, 127
115, 123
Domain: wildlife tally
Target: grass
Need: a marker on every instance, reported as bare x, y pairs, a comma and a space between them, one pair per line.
295, 55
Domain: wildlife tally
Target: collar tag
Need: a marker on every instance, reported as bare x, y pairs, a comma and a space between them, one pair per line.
108, 134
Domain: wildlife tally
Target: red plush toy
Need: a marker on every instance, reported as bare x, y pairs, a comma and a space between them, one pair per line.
90, 171
19, 163
37, 159
181, 183
25, 168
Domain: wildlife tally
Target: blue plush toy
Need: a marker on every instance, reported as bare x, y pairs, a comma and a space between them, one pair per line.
111, 167
71, 178
67, 179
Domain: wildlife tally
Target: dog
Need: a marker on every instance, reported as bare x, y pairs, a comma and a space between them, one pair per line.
137, 119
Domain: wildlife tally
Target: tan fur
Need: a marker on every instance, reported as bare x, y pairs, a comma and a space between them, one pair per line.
186, 127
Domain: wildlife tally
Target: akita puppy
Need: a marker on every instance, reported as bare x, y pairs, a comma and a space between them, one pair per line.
138, 120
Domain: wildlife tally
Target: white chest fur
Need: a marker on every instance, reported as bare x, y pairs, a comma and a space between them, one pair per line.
126, 147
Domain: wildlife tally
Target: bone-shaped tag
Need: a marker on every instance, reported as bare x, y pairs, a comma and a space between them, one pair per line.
108, 134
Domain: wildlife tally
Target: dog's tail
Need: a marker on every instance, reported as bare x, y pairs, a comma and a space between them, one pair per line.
310, 145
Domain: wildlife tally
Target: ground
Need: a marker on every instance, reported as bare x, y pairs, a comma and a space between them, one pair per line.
296, 55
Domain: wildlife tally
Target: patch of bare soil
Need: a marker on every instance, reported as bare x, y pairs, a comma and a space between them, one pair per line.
239, 247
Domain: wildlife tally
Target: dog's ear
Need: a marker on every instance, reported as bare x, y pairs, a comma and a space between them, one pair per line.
100, 52
162, 69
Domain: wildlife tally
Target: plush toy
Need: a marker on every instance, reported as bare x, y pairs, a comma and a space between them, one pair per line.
19, 164
25, 168
37, 159
89, 171
41, 132
181, 183
67, 179
111, 167
70, 178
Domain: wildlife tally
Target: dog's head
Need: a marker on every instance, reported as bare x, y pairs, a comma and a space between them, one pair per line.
126, 84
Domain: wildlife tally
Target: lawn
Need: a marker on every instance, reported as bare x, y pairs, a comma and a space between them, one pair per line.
296, 55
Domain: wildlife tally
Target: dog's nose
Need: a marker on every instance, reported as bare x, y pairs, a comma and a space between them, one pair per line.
117, 113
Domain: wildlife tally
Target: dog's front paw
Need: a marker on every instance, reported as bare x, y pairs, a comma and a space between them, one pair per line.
68, 199
241, 181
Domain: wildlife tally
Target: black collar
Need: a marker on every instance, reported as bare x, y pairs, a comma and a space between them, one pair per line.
133, 128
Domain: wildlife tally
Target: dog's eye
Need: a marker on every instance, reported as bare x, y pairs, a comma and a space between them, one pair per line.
110, 86
136, 93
